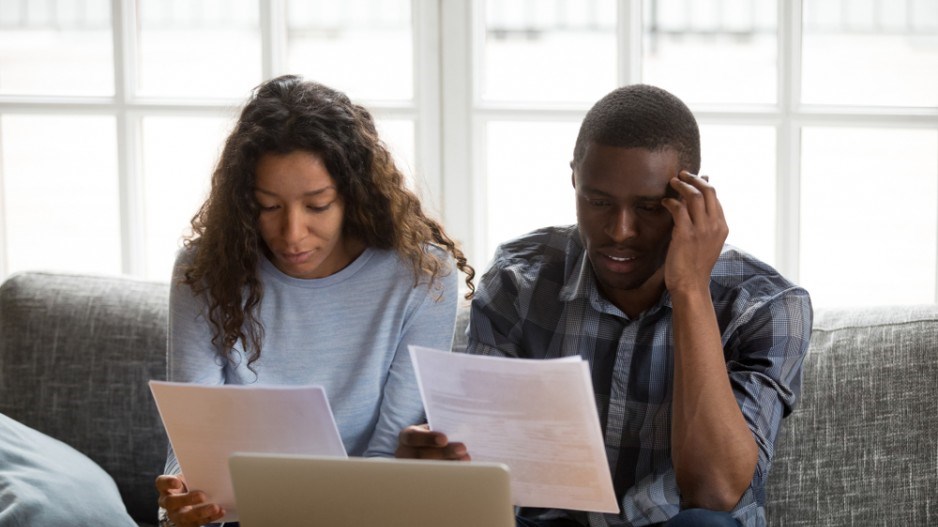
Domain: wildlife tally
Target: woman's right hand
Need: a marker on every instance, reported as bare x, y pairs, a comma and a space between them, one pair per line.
185, 508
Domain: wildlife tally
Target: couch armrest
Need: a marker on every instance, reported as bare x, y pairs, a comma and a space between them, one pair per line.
860, 448
76, 353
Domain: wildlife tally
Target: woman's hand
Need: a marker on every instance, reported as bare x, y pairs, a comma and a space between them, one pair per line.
185, 508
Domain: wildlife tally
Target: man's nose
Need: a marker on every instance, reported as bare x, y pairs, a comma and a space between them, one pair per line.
622, 225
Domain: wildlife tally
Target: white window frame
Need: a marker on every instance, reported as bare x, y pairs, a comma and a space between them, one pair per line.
450, 117
128, 110
466, 116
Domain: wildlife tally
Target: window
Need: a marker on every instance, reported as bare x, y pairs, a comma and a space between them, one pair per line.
819, 120
113, 112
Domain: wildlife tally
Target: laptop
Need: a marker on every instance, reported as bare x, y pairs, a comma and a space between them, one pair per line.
302, 491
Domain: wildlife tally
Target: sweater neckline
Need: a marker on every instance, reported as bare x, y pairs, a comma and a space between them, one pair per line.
269, 269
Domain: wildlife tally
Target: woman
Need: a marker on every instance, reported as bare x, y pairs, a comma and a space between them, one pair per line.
310, 263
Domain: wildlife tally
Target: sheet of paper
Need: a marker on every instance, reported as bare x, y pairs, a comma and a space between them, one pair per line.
206, 424
537, 416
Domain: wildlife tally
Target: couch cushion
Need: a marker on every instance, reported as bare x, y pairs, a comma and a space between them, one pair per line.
76, 353
861, 448
43, 481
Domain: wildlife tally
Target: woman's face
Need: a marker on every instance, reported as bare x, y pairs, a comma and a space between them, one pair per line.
300, 215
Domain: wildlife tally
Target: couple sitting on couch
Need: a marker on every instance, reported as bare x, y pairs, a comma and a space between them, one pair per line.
312, 263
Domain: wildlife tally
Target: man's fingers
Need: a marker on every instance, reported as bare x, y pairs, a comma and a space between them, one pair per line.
420, 436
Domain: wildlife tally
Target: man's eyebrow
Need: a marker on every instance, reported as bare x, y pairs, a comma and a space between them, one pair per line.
597, 192
305, 194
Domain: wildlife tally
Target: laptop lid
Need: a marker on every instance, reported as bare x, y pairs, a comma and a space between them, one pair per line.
299, 491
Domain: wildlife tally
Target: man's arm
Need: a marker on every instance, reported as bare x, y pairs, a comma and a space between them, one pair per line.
712, 448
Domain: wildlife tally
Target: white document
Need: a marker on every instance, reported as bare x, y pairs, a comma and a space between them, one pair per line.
206, 424
536, 416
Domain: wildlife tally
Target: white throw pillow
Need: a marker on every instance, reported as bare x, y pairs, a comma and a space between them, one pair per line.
43, 481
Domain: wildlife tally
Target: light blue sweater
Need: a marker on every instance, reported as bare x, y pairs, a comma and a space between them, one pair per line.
348, 332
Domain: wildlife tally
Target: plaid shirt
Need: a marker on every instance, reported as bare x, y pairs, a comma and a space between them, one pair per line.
539, 299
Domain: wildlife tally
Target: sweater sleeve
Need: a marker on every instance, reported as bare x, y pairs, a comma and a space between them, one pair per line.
431, 325
191, 357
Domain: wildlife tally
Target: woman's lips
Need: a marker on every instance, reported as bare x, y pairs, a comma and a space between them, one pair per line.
296, 258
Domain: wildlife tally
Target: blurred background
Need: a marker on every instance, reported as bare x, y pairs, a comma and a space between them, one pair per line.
819, 118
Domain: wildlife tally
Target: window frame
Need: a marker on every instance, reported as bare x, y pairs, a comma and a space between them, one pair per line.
450, 118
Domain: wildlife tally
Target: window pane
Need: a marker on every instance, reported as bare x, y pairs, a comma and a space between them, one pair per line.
548, 51
179, 154
527, 180
864, 53
712, 51
61, 48
869, 203
740, 161
198, 48
362, 47
61, 198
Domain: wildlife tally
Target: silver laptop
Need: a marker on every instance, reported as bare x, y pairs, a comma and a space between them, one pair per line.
273, 490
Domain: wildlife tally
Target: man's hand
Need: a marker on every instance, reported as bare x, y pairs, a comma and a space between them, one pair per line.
185, 508
698, 235
419, 442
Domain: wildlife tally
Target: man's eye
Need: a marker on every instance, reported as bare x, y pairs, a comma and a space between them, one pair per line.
599, 203
650, 207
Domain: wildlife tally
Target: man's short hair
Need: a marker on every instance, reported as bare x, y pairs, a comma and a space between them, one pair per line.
641, 116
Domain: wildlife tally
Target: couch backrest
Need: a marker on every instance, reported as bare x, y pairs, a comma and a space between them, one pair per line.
76, 353
862, 446
860, 449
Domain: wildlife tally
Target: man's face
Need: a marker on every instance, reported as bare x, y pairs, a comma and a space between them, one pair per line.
621, 221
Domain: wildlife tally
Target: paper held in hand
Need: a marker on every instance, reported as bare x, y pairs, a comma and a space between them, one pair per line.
536, 416
206, 424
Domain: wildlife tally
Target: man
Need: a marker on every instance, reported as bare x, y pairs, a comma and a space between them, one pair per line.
695, 347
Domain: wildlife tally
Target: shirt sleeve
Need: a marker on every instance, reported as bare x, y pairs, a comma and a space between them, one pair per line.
431, 325
495, 324
765, 354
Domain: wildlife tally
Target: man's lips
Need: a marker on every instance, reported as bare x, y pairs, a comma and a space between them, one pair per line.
619, 261
619, 255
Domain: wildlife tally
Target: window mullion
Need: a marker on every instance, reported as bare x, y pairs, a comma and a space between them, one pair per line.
629, 31
427, 100
788, 154
4, 251
460, 196
123, 15
273, 22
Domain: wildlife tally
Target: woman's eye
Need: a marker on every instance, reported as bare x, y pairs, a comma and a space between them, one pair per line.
319, 208
267, 208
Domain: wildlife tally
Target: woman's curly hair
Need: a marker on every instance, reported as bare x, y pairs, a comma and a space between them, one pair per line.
283, 115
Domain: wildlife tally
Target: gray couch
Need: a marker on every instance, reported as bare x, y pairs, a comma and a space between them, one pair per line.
861, 449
